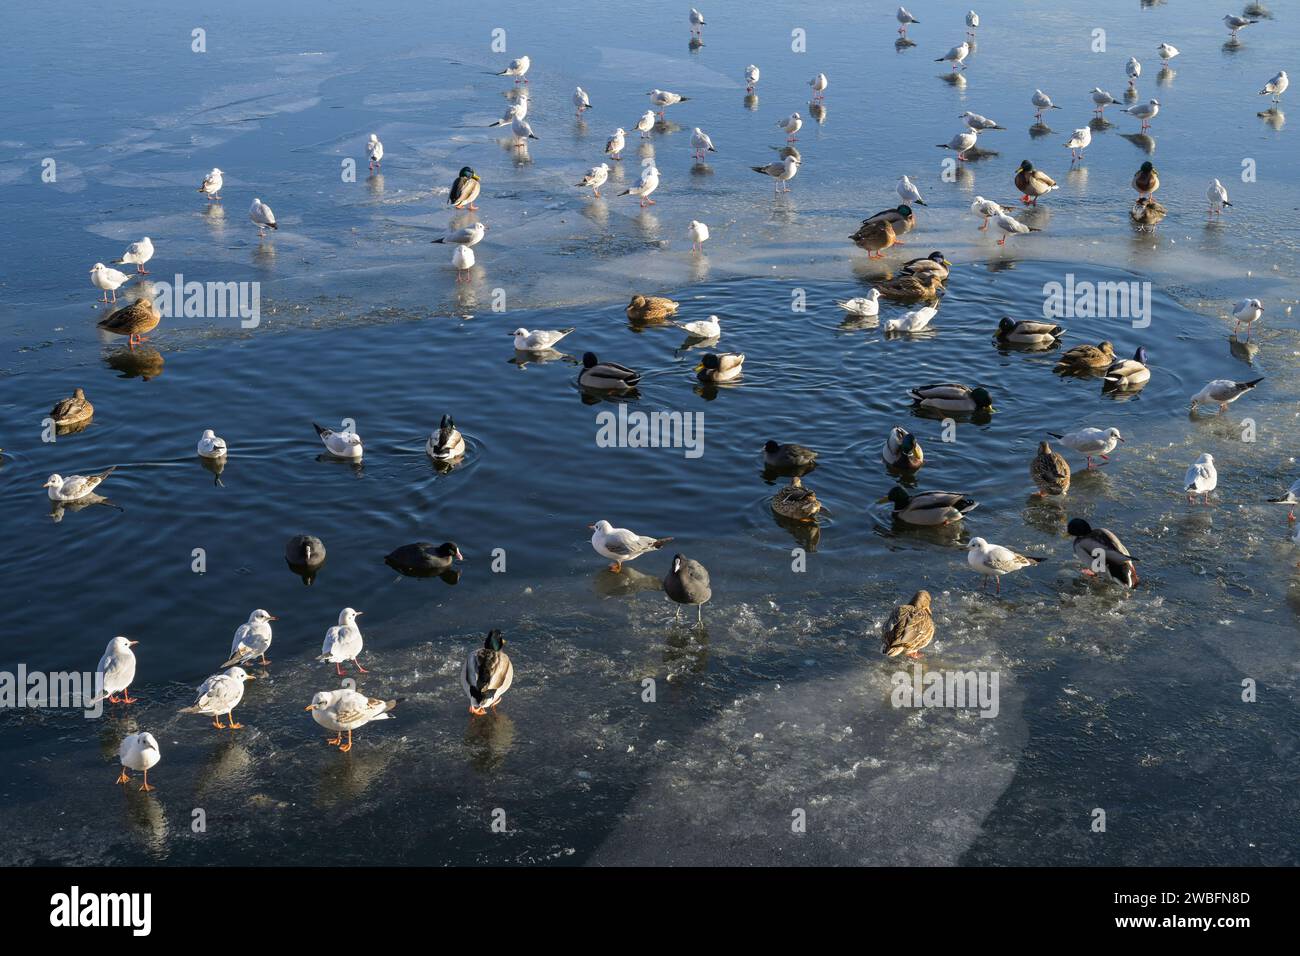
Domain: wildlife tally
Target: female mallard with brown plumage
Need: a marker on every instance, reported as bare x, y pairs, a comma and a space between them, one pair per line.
1147, 211
875, 237
1051, 472
650, 308
132, 320
912, 287
909, 628
797, 502
1146, 180
1084, 358
72, 411
1033, 183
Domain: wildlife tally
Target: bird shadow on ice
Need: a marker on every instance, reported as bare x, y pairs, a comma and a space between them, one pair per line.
1039, 130
625, 583
1273, 117
488, 740
1142, 141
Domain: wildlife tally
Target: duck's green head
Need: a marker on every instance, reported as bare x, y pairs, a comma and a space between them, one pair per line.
589, 360
1004, 325
1078, 527
897, 496
937, 256
1148, 167
494, 640
1026, 166
904, 211
982, 398
467, 172
710, 361
908, 445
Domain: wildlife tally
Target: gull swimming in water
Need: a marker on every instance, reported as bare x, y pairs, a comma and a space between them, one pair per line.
107, 280
374, 151
581, 101
262, 217
1222, 392
614, 145
344, 444
751, 78
211, 185
956, 56
1101, 99
700, 143
343, 642
979, 123
908, 192
1041, 103
1248, 311
595, 178
1201, 478
621, 545
791, 124
864, 306
709, 328
1078, 142
782, 172
917, 320
960, 143
1091, 441
664, 99
487, 674
698, 233
517, 69
539, 340
462, 260
116, 670
138, 752
137, 254
1146, 112
1276, 86
645, 185
252, 639
470, 235
645, 124
993, 560
74, 487
210, 446
1134, 69
819, 84
219, 695
904, 19
347, 710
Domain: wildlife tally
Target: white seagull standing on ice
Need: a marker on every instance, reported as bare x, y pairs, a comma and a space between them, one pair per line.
986, 208
791, 124
521, 130
347, 710
345, 444
462, 260
1078, 142
1042, 102
700, 143
211, 185
698, 233
210, 446
518, 108
262, 217
904, 19
819, 84
219, 695
782, 172
374, 151
1146, 112
908, 192
621, 544
647, 184
1217, 194
1134, 69
972, 23
252, 639
138, 752
1276, 86
646, 123
1222, 392
595, 178
137, 254
697, 23
580, 99
960, 143
614, 145
470, 235
1248, 311
1012, 227
116, 672
1101, 99
1202, 478
664, 99
751, 78
979, 123
343, 642
517, 68
108, 280
1167, 52
1235, 23
956, 56
993, 560
1091, 441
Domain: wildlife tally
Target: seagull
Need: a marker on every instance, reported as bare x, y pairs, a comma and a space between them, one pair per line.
645, 124
751, 78
697, 23
864, 306
518, 108
138, 752
1146, 112
210, 446
521, 130
219, 695
1167, 52
74, 487
1042, 102
343, 642
1078, 142
993, 560
1222, 392
462, 260
252, 639
782, 172
517, 68
791, 124
698, 233
1276, 86
908, 192
344, 444
972, 23
700, 143
116, 672
647, 184
539, 340
819, 84
956, 56
963, 141
581, 101
915, 321
137, 254
709, 328
664, 99
107, 280
1291, 499
211, 185
262, 217
1101, 99
1248, 311
1201, 479
374, 151
470, 235
1134, 69
621, 545
904, 18
986, 208
1091, 441
687, 582
1235, 23
595, 178
979, 123
614, 145
347, 710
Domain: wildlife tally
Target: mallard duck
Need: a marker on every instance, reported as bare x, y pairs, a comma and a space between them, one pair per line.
423, 559
1146, 180
788, 456
902, 218
720, 367
1147, 212
875, 237
72, 411
952, 397
487, 675
929, 507
1033, 183
1222, 392
687, 582
1050, 471
465, 189
1093, 546
347, 710
1126, 374
909, 628
795, 501
133, 321
606, 376
1083, 357
993, 560
447, 442
650, 308
934, 262
902, 451
910, 287
1026, 332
